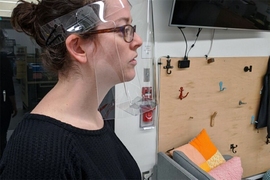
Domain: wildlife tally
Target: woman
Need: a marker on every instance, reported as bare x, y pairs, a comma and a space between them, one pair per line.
91, 45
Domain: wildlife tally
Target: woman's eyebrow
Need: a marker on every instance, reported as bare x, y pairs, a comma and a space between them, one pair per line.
125, 19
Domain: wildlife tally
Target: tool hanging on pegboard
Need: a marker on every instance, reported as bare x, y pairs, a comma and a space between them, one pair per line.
168, 66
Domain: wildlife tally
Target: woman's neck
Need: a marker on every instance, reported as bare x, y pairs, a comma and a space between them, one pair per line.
74, 101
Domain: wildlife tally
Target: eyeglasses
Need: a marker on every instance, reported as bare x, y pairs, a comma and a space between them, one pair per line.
127, 31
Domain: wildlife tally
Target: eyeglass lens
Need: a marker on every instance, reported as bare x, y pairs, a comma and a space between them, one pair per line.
128, 33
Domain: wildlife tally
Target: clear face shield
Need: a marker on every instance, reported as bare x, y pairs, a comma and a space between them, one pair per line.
111, 56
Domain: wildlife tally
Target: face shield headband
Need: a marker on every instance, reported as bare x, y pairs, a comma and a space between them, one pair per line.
78, 21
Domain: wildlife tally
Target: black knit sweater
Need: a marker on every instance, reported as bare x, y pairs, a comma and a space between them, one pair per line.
45, 148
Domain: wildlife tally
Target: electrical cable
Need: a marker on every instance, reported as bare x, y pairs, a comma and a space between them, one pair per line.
185, 57
211, 45
199, 31
187, 52
185, 63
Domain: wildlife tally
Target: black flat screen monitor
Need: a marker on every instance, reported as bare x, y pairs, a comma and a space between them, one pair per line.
221, 14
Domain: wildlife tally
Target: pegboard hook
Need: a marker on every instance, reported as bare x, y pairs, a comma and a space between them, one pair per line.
241, 103
212, 120
168, 66
221, 88
232, 147
181, 96
246, 68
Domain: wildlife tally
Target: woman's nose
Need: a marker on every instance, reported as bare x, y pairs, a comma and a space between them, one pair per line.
137, 40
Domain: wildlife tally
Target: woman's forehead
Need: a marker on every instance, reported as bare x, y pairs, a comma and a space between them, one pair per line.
116, 2
118, 10
115, 5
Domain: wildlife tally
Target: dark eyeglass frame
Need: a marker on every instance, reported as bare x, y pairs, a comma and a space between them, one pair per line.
116, 29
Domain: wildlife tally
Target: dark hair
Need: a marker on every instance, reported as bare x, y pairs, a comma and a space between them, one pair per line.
29, 17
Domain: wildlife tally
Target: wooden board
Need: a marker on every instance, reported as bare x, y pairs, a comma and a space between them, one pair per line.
181, 120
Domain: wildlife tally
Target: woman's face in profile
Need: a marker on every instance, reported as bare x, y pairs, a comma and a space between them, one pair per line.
117, 56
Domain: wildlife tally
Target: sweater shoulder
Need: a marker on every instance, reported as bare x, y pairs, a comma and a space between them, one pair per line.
38, 145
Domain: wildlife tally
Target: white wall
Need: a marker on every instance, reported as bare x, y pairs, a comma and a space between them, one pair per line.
169, 41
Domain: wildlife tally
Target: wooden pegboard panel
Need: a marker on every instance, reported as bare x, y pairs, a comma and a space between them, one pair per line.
181, 120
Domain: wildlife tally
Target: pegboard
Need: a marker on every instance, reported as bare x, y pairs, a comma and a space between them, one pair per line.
222, 97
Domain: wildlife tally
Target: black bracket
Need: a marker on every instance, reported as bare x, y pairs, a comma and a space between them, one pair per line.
232, 147
168, 66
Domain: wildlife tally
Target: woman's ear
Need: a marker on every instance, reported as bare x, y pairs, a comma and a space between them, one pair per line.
75, 48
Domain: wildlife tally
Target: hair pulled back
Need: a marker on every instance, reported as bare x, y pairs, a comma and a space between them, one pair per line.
28, 17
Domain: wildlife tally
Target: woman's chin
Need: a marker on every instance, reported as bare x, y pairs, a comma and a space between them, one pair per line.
128, 77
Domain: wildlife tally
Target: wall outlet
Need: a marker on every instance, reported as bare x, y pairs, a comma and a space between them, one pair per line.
146, 74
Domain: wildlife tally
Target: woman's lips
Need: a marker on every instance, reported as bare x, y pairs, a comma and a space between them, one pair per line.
133, 62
